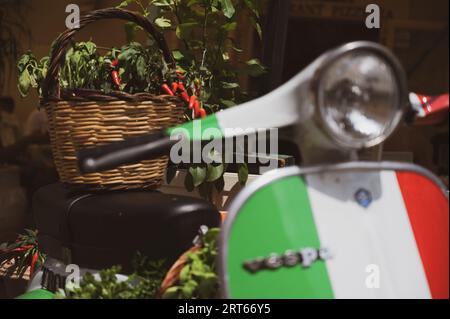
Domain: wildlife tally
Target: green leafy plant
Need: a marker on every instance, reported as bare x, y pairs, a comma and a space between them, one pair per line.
23, 254
204, 29
31, 73
144, 283
198, 278
209, 177
141, 69
203, 58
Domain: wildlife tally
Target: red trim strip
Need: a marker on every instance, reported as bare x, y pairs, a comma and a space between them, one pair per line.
429, 217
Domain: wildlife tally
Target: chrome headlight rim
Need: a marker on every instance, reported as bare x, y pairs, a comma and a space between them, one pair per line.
400, 78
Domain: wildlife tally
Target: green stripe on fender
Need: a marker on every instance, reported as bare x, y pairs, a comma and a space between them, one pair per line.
205, 129
37, 294
276, 218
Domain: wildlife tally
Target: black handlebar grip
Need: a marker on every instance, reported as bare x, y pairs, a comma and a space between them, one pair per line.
132, 150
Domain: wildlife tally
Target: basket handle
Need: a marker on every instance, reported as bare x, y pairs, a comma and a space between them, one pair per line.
50, 86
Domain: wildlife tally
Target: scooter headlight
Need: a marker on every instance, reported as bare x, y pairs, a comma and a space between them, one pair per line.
361, 95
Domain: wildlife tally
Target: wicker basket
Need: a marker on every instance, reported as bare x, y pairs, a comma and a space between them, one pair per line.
87, 118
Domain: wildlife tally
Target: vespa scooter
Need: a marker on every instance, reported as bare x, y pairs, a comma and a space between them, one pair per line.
335, 227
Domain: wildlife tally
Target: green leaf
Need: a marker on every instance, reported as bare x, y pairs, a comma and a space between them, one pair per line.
160, 3
230, 85
254, 67
214, 172
197, 265
252, 6
24, 60
141, 67
75, 58
228, 8
189, 288
198, 175
257, 27
208, 285
184, 274
90, 47
231, 26
24, 83
163, 22
125, 3
243, 173
177, 55
171, 293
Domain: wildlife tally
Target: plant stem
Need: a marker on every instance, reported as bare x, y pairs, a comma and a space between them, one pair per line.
205, 24
177, 15
144, 10
205, 30
104, 48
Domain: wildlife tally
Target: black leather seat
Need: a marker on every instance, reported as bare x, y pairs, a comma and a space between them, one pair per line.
99, 230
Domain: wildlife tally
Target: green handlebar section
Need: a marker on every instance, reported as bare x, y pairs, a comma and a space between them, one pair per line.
197, 130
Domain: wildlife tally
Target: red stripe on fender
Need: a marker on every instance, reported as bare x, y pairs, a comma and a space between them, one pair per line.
428, 213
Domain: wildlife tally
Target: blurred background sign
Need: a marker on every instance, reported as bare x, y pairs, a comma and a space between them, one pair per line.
348, 9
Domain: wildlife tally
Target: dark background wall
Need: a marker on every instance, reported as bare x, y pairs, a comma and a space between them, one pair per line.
416, 30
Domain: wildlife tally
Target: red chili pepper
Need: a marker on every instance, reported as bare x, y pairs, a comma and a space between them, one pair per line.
185, 96
174, 87
166, 89
22, 248
197, 108
197, 89
33, 262
181, 87
202, 113
116, 78
115, 63
192, 101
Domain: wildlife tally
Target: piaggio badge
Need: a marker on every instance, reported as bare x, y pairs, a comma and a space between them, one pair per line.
304, 257
363, 197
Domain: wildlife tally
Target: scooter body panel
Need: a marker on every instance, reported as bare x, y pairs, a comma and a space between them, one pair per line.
354, 230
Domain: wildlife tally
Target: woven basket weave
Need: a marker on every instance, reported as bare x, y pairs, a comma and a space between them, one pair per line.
87, 118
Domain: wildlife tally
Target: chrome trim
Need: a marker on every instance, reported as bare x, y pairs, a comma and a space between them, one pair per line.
399, 74
276, 175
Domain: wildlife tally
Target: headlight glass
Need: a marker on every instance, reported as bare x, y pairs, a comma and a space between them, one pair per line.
359, 99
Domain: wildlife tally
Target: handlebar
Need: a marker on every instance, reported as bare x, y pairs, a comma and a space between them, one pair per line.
132, 150
424, 111
429, 110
